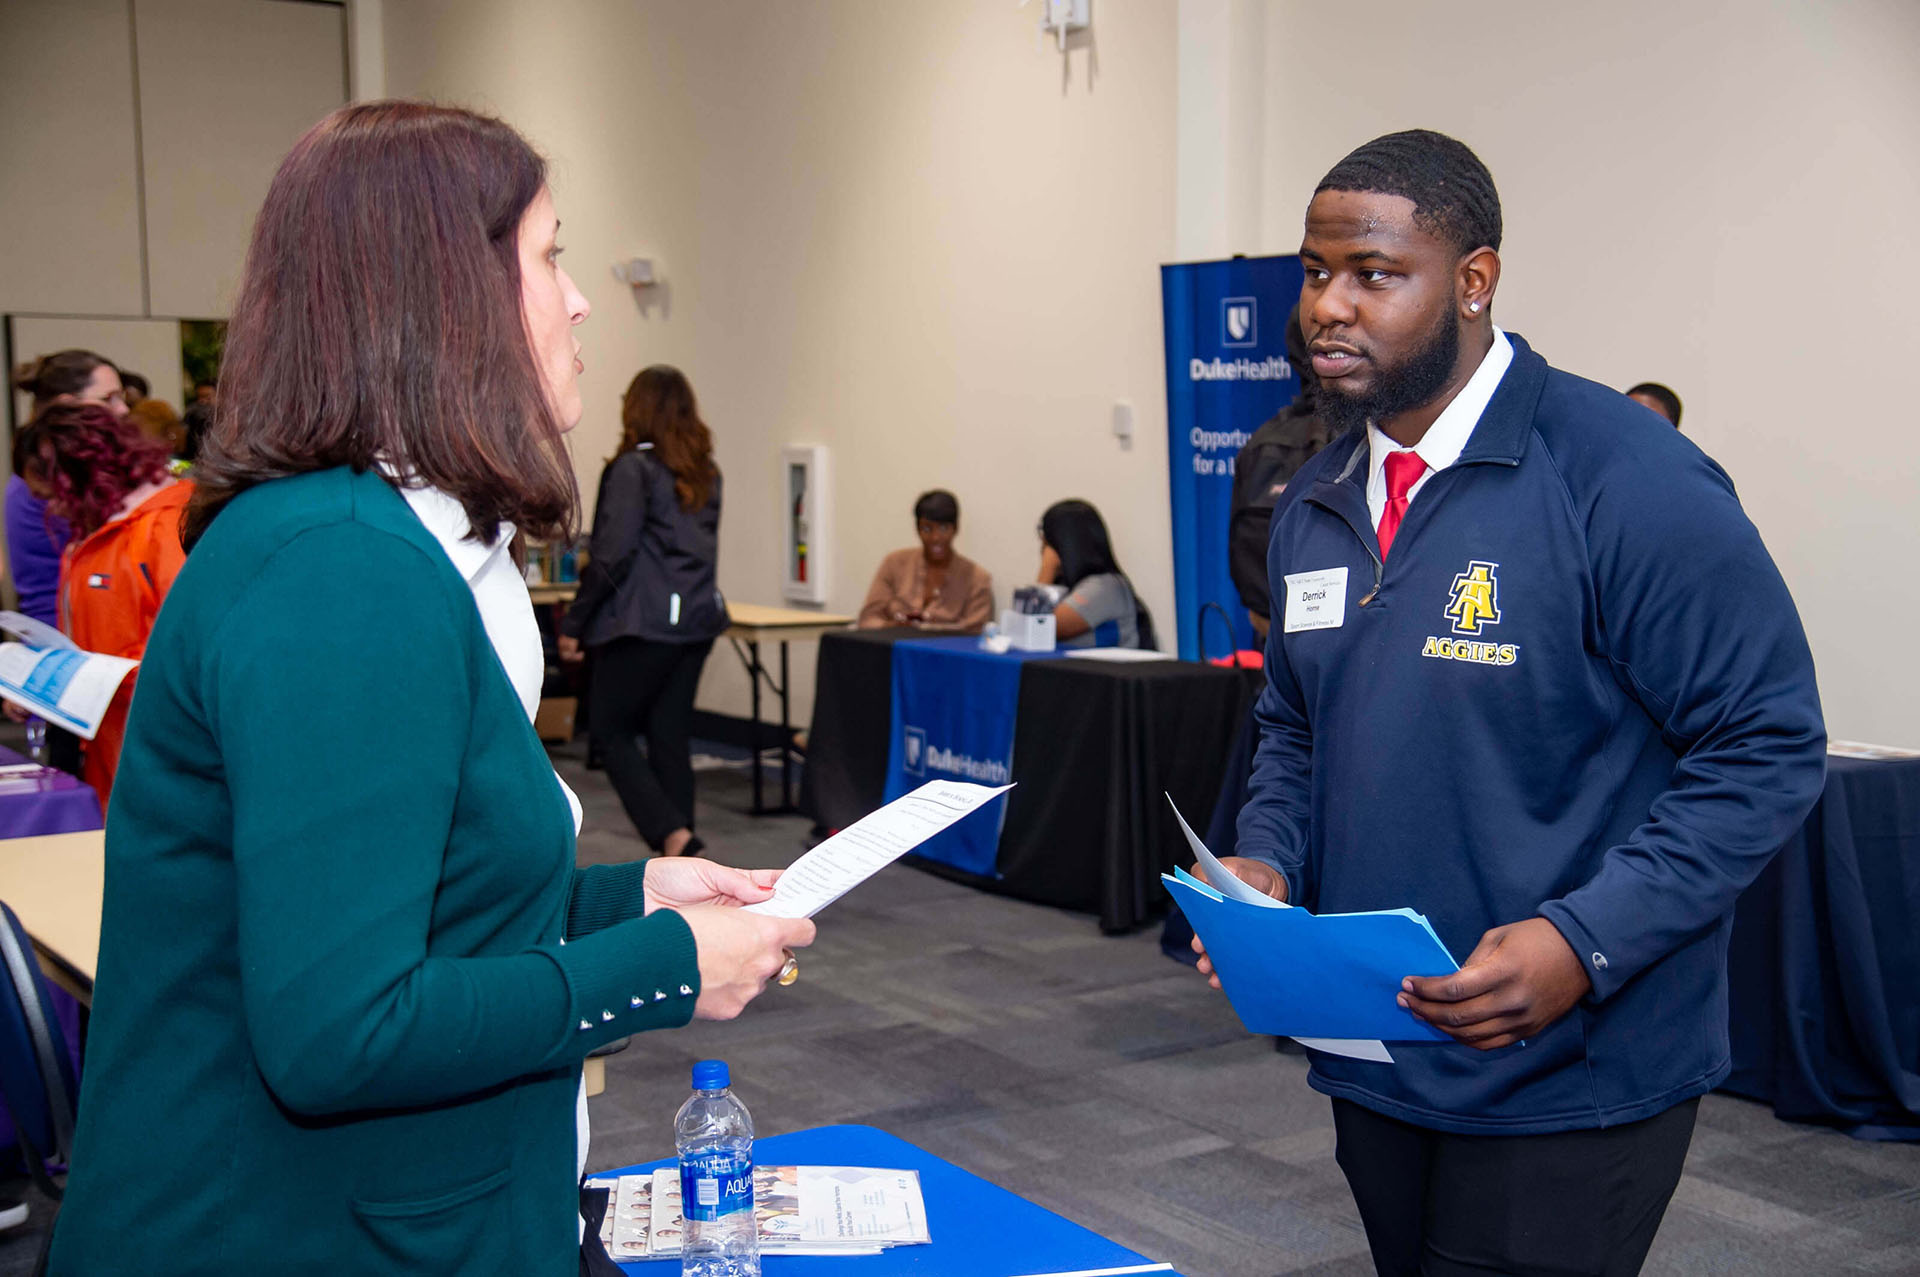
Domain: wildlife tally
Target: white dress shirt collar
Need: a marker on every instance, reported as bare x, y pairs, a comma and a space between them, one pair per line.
1447, 437
447, 520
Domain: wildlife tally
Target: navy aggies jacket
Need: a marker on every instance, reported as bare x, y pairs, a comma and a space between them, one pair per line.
1577, 689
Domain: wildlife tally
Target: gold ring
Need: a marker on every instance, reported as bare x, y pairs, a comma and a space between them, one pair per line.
790, 969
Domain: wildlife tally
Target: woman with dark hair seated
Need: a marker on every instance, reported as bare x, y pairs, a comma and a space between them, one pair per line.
931, 588
1100, 608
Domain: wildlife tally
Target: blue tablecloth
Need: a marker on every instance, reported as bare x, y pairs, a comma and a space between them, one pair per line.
1825, 960
977, 1228
955, 706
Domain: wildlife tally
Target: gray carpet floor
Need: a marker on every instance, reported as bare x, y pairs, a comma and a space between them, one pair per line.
1100, 1079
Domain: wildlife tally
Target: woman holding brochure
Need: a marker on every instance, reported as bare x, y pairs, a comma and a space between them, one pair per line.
392, 969
113, 486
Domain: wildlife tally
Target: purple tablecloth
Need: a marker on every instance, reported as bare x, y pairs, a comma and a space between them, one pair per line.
46, 801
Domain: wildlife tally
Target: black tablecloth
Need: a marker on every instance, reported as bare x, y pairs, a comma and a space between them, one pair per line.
1825, 960
1095, 746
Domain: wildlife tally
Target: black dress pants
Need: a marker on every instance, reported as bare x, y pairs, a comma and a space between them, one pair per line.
1438, 1204
643, 688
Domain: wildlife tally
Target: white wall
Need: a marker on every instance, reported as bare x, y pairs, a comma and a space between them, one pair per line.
136, 141
69, 169
1719, 195
911, 232
899, 229
226, 86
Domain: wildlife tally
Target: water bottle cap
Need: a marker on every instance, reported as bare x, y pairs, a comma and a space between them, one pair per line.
710, 1075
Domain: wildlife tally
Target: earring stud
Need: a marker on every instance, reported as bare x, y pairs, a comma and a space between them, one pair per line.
1474, 307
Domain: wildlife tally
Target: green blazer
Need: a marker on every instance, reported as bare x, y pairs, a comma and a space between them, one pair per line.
348, 970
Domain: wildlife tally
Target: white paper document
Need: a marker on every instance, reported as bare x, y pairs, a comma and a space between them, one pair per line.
1226, 883
870, 844
47, 675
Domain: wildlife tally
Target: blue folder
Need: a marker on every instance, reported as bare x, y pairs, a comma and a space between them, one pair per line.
1295, 974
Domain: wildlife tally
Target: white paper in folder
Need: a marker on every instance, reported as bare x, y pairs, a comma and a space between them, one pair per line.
1227, 883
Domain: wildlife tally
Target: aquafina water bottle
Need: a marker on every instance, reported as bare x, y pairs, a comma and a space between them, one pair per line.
714, 1134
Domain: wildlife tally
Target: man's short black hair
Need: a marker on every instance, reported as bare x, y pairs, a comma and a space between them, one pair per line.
938, 506
1663, 396
1451, 190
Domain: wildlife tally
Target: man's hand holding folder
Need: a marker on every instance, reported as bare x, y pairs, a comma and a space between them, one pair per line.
1519, 979
1258, 874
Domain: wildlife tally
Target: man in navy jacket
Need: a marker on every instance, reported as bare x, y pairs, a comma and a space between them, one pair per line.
1532, 672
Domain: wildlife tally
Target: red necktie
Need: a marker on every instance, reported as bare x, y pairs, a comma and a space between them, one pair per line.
1403, 471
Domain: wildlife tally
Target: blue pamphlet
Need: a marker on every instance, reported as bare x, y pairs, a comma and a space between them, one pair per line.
1295, 974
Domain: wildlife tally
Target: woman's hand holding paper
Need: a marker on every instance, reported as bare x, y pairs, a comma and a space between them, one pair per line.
738, 953
673, 882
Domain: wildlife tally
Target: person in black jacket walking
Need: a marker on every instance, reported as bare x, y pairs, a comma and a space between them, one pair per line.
649, 608
1262, 471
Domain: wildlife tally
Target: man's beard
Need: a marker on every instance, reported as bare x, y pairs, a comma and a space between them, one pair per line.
1411, 385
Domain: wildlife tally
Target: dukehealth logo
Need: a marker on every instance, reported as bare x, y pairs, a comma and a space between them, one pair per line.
919, 758
1239, 321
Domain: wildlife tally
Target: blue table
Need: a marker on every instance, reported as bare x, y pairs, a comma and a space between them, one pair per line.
1095, 747
1824, 962
955, 706
978, 1229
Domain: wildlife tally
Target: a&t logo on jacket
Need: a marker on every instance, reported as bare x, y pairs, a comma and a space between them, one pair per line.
1476, 598
1473, 604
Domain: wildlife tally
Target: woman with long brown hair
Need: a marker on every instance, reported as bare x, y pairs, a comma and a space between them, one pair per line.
348, 970
649, 608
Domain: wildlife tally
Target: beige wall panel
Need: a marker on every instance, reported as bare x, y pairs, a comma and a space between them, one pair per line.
1716, 195
69, 201
910, 232
226, 88
150, 347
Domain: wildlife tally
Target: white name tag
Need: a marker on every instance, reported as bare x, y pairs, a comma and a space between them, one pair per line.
1316, 600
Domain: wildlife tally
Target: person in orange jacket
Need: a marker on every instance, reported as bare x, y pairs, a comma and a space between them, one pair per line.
114, 486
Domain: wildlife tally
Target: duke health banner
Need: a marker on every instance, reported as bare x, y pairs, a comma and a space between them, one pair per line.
953, 716
1227, 372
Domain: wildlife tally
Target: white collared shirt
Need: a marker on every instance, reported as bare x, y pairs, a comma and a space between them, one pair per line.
506, 610
1447, 437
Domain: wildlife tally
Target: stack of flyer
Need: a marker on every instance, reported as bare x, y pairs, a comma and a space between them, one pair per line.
799, 1210
47, 675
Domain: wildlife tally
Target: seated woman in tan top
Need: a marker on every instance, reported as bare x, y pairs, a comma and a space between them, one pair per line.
930, 588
